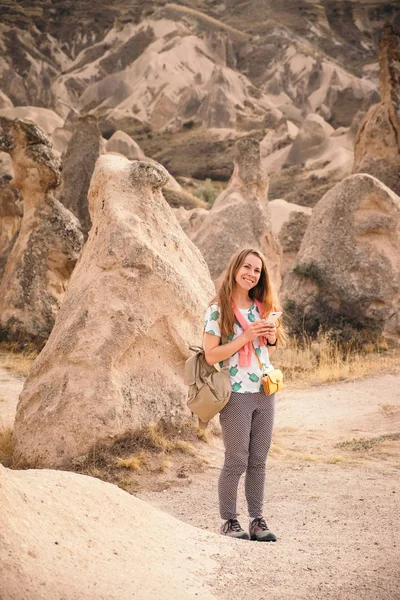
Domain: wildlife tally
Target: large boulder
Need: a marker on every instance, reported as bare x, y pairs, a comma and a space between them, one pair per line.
240, 216
347, 273
49, 241
71, 536
114, 361
79, 160
10, 218
377, 145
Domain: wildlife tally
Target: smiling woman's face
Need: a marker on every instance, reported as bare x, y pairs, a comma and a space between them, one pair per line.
249, 273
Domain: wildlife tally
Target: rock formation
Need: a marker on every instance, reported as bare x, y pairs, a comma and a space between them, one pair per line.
311, 140
377, 146
122, 143
101, 537
79, 160
240, 216
44, 118
190, 220
49, 241
347, 272
10, 218
179, 79
289, 223
114, 361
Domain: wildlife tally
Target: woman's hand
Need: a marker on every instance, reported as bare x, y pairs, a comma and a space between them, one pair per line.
260, 328
271, 334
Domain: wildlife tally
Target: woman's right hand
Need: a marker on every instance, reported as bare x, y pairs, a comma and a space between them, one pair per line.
256, 329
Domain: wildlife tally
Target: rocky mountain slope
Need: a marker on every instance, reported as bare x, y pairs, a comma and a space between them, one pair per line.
186, 80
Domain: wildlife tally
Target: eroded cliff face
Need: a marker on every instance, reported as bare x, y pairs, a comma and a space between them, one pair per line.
186, 81
82, 44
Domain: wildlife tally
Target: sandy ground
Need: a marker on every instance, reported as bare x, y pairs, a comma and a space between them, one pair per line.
335, 509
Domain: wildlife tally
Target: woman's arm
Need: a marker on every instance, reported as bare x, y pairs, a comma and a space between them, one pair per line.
215, 352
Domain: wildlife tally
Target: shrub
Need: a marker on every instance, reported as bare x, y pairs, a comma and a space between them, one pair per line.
207, 192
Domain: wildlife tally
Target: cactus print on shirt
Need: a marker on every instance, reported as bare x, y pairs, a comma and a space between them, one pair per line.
243, 379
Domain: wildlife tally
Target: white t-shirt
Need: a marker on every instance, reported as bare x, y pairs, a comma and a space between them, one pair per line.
243, 379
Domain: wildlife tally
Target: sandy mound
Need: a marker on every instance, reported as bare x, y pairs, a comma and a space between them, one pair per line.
107, 542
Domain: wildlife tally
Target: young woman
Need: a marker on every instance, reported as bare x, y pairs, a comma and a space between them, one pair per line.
235, 332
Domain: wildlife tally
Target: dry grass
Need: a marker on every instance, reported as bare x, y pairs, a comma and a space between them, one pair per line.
15, 361
306, 361
364, 444
6, 446
389, 409
155, 457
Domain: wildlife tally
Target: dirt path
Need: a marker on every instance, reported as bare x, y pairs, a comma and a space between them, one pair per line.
335, 509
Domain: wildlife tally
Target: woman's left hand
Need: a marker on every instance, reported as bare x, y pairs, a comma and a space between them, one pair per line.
271, 333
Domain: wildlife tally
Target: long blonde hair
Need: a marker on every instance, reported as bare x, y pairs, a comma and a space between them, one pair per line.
264, 291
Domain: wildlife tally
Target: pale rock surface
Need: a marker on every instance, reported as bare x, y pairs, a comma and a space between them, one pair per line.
302, 81
61, 138
10, 218
49, 240
281, 212
75, 537
122, 143
240, 216
347, 272
190, 220
114, 361
6, 164
5, 101
45, 118
289, 223
290, 237
311, 140
377, 146
79, 160
276, 145
171, 77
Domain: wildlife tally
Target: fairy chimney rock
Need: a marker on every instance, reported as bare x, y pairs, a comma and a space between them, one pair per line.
42, 257
347, 273
79, 161
114, 361
377, 145
240, 216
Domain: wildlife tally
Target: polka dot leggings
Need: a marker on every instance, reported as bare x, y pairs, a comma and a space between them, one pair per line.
246, 421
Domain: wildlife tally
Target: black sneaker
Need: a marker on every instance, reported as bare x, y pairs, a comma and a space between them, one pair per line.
259, 531
232, 528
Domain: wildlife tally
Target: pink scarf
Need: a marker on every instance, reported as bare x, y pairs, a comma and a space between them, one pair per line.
247, 350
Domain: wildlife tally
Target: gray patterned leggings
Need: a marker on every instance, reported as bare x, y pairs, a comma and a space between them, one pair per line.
246, 421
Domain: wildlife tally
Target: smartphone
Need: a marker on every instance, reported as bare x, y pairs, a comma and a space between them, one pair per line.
273, 317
